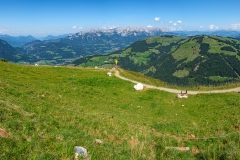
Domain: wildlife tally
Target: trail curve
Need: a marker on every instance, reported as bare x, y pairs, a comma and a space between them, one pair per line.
237, 89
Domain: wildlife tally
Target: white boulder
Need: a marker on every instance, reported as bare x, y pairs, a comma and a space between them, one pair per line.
138, 86
80, 151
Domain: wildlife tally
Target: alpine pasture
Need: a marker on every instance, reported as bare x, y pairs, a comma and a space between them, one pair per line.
45, 111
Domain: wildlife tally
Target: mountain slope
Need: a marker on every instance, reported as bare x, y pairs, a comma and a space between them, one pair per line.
183, 61
92, 42
8, 52
17, 41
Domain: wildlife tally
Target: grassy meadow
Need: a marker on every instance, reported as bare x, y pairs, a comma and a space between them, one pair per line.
45, 111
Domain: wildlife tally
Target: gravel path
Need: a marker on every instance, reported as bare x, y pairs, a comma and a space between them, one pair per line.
175, 90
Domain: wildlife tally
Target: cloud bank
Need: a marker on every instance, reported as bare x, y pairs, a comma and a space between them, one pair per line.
235, 26
212, 26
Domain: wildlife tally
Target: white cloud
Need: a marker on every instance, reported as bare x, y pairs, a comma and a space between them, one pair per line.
236, 26
170, 22
213, 27
149, 26
157, 18
201, 26
174, 24
80, 27
179, 21
74, 27
2, 30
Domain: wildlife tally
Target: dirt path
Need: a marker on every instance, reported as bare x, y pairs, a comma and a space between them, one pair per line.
175, 90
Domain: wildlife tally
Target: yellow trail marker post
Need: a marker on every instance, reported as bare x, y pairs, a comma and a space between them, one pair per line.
116, 62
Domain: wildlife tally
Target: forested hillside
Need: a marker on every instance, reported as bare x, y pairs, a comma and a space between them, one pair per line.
9, 53
194, 60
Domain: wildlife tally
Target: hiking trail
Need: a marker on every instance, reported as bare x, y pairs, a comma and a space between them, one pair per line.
237, 89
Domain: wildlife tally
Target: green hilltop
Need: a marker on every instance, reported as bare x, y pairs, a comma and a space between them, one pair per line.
45, 111
191, 61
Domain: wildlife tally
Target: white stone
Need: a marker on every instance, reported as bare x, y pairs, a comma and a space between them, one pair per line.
138, 86
99, 141
182, 95
80, 151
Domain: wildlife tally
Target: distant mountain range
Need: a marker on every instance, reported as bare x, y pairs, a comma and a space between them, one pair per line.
17, 41
195, 60
21, 40
93, 42
63, 49
222, 33
50, 37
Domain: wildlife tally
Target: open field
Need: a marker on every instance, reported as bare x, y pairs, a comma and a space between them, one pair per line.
46, 111
189, 50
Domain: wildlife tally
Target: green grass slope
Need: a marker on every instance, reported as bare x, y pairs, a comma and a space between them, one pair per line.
46, 111
191, 61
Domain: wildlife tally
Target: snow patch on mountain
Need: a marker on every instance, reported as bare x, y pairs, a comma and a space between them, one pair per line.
123, 31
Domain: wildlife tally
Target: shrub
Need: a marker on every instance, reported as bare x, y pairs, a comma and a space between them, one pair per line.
4, 60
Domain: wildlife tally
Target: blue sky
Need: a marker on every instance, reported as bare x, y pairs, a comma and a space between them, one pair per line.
55, 17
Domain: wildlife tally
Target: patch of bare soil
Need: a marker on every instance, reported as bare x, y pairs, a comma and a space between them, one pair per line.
3, 133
